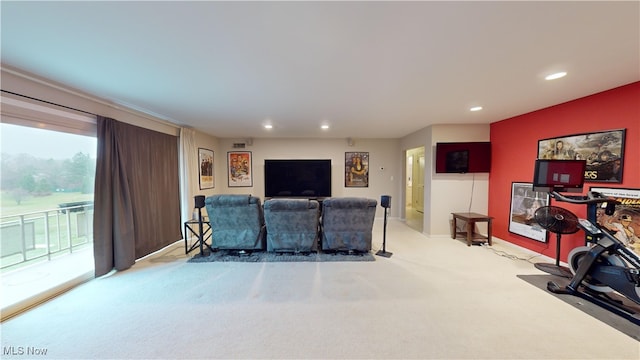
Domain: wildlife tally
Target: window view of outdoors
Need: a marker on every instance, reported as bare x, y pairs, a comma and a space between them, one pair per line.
46, 193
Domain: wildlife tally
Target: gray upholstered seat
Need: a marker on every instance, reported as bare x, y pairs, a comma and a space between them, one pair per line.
347, 223
237, 222
292, 224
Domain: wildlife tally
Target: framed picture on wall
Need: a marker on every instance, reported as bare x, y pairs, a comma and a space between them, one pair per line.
205, 171
603, 151
524, 203
624, 222
356, 169
240, 173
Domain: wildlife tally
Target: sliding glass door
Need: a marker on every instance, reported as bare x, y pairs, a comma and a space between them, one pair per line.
47, 174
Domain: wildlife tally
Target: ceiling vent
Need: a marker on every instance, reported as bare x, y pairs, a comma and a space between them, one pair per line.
239, 145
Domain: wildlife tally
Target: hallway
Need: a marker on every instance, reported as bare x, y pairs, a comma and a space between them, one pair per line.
414, 218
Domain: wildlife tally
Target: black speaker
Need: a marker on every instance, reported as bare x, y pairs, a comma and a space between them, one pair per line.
199, 201
385, 201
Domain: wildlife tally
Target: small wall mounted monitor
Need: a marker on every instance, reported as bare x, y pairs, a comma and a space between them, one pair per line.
463, 157
559, 175
457, 161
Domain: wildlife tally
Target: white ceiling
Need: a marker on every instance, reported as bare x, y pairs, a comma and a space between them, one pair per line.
368, 69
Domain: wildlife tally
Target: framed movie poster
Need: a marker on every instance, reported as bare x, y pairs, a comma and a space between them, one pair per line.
524, 203
603, 151
624, 222
356, 169
240, 173
205, 173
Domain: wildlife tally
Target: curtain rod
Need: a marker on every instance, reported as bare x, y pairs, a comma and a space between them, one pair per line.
48, 102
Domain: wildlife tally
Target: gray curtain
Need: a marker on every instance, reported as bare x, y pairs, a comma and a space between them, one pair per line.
137, 201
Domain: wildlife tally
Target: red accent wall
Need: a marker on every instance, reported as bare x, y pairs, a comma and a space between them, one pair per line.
514, 145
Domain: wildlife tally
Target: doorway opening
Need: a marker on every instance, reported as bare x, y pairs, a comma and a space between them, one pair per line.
414, 188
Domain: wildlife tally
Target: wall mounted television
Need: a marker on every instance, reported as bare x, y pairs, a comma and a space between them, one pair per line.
308, 178
463, 157
559, 175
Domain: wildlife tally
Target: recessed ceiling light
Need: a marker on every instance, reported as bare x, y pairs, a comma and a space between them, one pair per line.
324, 127
476, 108
268, 126
557, 75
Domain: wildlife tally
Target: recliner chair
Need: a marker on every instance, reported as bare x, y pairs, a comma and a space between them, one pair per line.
347, 223
292, 224
237, 222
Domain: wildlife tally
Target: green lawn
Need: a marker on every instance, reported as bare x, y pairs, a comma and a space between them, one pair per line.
39, 203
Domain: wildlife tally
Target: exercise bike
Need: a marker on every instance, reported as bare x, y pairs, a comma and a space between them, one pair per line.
605, 266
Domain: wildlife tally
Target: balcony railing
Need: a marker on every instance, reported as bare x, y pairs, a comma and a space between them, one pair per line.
41, 235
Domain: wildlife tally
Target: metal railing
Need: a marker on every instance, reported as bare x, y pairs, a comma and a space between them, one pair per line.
41, 235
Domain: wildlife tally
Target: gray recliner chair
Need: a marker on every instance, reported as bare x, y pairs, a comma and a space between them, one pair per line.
237, 222
292, 224
347, 223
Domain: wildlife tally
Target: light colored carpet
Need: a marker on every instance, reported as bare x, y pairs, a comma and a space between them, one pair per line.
435, 298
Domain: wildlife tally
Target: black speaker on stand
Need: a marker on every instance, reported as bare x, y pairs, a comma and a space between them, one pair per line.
385, 202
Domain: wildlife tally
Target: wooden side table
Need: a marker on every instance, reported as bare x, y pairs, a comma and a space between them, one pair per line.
471, 219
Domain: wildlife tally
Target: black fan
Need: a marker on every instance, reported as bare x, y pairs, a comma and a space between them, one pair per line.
559, 221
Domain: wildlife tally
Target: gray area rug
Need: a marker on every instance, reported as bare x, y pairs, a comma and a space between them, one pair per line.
604, 315
262, 256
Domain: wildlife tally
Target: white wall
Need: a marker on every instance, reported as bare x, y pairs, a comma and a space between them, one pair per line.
385, 163
456, 192
443, 193
447, 193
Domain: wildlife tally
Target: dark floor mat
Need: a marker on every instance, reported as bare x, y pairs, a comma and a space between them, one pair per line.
614, 320
261, 256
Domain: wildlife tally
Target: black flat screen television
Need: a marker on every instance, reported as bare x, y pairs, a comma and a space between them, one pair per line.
463, 157
297, 178
559, 175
